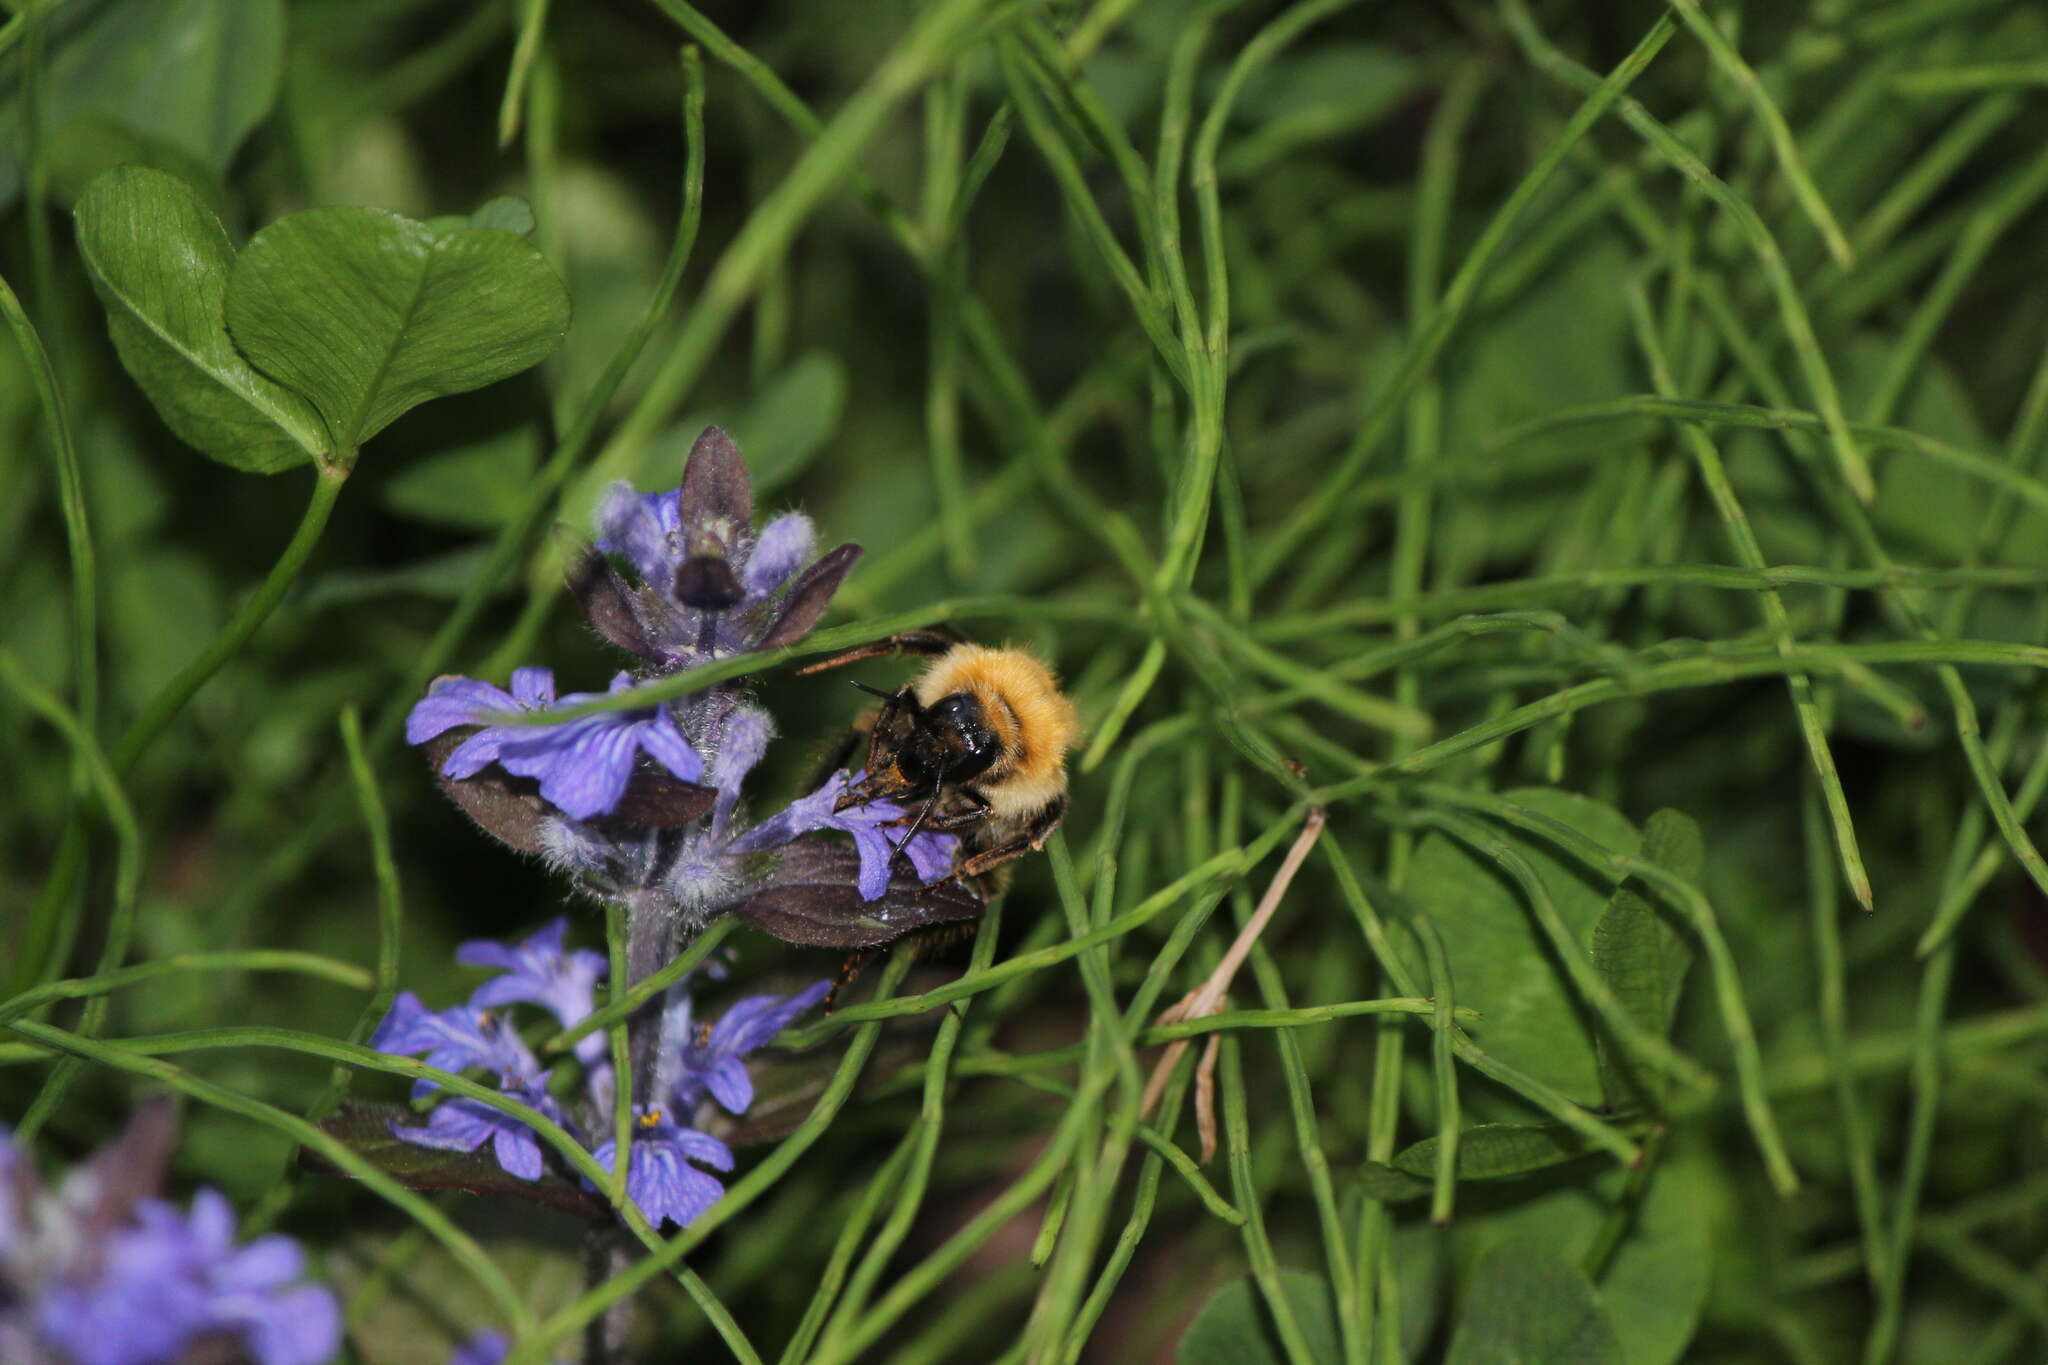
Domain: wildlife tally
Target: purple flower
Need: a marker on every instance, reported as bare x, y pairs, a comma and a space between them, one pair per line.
930, 853
97, 1276
454, 1040
539, 972
660, 1176
485, 1348
583, 765
453, 701
463, 1125
708, 583
715, 1062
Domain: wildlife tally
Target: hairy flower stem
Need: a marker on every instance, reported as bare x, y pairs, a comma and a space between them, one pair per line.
650, 944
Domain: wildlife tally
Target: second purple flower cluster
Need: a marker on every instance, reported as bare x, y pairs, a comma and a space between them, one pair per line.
669, 1174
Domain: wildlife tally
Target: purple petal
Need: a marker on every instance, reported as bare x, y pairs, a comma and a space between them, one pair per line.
212, 1220
783, 547
300, 1326
453, 701
534, 687
731, 1086
666, 745
704, 1147
487, 952
875, 849
745, 739
667, 1187
642, 529
481, 750
265, 1263
459, 1125
517, 1152
932, 854
583, 767
485, 1348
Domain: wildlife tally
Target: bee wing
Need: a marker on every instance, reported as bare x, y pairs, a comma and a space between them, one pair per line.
811, 899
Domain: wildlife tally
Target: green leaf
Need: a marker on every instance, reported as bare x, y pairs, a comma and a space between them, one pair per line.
1642, 953
366, 1128
1656, 1284
193, 75
1385, 1182
1495, 1151
160, 261
1526, 1305
1233, 1327
506, 213
1501, 961
477, 486
370, 314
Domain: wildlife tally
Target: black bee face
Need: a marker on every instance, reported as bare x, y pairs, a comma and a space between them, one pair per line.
949, 741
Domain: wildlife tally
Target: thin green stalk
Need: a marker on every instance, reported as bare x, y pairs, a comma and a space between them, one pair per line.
1935, 978
1792, 315
1237, 1149
533, 20
779, 215
853, 1234
316, 965
1448, 1123
384, 983
617, 1011
1423, 352
1783, 146
922, 1143
104, 782
1742, 540
1833, 1008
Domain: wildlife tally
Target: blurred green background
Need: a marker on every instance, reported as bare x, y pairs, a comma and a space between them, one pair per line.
1410, 434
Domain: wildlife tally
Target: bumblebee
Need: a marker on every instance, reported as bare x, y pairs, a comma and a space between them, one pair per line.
977, 742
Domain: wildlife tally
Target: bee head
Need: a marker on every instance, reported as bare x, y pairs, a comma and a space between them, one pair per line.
948, 741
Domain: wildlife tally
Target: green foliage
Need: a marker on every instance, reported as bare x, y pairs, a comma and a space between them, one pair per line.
162, 264
1500, 959
369, 314
1458, 420
1232, 1327
1525, 1303
188, 78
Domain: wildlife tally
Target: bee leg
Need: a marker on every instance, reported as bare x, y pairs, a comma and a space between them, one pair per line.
1030, 841
855, 962
909, 642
